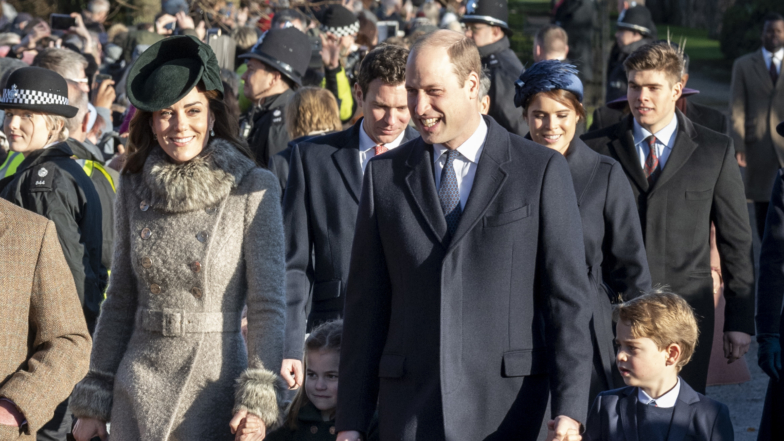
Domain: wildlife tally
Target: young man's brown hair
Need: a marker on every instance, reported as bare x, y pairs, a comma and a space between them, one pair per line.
462, 52
386, 63
665, 318
657, 56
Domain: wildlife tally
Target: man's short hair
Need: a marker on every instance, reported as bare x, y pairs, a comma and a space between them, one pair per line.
552, 39
386, 63
665, 318
96, 6
78, 99
484, 85
772, 16
65, 62
657, 56
288, 15
462, 51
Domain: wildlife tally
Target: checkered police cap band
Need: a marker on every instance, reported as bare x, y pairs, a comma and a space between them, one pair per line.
342, 31
31, 97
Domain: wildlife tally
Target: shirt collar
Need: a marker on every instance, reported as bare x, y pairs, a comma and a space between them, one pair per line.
664, 136
471, 149
768, 54
366, 143
666, 401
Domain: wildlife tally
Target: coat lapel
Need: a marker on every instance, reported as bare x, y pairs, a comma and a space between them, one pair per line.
347, 161
628, 413
682, 415
422, 185
762, 71
582, 165
681, 151
488, 180
623, 146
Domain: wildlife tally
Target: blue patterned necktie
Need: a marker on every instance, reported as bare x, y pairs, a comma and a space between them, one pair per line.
449, 193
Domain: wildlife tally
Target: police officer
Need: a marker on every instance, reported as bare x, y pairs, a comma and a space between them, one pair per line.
275, 67
635, 28
486, 24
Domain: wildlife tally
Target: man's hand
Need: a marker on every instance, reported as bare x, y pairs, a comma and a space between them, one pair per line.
9, 415
104, 94
349, 435
184, 21
38, 32
88, 428
330, 50
741, 158
769, 355
736, 344
80, 30
291, 371
162, 21
563, 428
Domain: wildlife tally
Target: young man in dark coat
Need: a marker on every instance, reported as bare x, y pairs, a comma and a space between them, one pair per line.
486, 24
467, 302
320, 204
684, 177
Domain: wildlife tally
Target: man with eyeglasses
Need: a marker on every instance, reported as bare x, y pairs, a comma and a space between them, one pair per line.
69, 64
486, 23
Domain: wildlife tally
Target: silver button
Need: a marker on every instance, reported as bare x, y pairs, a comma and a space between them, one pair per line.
155, 288
146, 262
146, 233
201, 237
144, 206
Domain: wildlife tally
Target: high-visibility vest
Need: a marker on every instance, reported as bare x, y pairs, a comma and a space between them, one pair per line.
8, 167
89, 166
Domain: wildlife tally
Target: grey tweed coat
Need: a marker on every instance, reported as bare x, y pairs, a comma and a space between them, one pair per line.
194, 242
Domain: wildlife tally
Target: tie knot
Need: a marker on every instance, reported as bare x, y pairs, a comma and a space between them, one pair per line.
451, 155
651, 140
381, 149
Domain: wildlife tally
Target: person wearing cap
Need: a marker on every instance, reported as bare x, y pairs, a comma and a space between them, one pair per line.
339, 28
684, 177
275, 68
770, 297
635, 29
199, 235
551, 94
486, 24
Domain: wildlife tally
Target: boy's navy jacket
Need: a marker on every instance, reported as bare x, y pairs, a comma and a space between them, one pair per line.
613, 417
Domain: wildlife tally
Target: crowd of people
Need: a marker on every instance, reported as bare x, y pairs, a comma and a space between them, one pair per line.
369, 221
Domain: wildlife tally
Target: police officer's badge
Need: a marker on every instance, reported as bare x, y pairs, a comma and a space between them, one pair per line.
42, 172
471, 7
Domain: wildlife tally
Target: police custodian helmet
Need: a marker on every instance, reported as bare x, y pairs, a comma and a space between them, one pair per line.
491, 12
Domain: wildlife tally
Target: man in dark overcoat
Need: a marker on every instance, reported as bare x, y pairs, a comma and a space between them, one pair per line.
320, 204
467, 302
684, 177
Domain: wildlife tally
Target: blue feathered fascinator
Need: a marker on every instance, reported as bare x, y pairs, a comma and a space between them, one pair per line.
545, 76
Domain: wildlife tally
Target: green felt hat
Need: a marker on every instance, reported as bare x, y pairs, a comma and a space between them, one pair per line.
169, 69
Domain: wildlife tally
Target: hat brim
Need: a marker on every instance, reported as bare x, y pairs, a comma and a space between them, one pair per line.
636, 28
283, 68
780, 128
488, 21
51, 109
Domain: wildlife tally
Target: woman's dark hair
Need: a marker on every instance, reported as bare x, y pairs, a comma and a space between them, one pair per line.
141, 141
326, 337
562, 96
367, 32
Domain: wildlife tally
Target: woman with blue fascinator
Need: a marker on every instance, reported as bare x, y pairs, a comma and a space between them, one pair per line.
551, 97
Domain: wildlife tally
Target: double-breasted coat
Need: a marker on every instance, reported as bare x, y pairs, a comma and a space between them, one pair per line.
194, 243
699, 184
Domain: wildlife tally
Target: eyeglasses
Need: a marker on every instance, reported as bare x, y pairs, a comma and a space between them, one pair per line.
79, 80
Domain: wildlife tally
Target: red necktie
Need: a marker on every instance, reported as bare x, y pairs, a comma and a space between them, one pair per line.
652, 161
381, 149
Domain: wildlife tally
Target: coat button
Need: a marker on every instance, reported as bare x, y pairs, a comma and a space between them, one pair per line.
146, 262
146, 233
196, 266
211, 210
196, 292
144, 206
155, 288
332, 430
313, 429
201, 237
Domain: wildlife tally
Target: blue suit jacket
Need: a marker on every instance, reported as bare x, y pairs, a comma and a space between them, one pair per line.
613, 417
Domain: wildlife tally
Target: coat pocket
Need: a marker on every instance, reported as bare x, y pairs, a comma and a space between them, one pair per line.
699, 195
508, 217
391, 366
522, 362
326, 290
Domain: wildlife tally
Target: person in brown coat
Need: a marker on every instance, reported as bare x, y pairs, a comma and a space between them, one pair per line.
45, 346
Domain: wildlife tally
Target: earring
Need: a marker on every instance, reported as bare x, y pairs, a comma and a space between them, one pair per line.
212, 132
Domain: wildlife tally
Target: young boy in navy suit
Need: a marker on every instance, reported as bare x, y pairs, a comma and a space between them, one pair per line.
656, 337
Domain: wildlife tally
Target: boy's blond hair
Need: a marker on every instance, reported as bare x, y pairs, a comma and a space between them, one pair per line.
665, 318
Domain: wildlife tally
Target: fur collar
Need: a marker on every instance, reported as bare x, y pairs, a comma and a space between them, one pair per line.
199, 183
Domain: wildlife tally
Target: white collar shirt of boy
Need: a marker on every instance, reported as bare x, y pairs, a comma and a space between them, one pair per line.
665, 401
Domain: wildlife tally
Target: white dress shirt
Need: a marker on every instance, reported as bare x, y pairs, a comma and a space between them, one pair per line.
665, 140
465, 163
367, 146
775, 57
665, 401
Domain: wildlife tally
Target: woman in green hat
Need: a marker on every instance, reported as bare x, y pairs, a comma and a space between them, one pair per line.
199, 234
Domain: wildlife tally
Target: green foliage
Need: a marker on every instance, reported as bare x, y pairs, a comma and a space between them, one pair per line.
742, 27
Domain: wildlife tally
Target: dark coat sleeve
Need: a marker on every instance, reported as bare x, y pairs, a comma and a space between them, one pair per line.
722, 426
593, 427
365, 317
733, 239
770, 291
299, 243
625, 262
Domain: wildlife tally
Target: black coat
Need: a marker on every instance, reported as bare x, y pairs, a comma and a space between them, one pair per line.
268, 134
504, 68
319, 213
310, 427
616, 74
699, 184
697, 113
48, 182
460, 337
613, 417
614, 249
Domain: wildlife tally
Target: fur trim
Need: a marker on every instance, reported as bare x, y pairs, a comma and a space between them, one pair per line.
92, 397
199, 183
258, 392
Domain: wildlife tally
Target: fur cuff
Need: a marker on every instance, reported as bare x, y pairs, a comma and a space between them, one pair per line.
92, 397
257, 392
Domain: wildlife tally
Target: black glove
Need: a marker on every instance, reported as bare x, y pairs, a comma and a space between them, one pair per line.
769, 354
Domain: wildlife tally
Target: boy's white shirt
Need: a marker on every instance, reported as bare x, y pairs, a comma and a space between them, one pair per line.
665, 401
